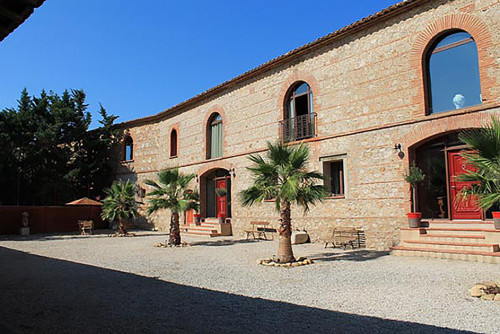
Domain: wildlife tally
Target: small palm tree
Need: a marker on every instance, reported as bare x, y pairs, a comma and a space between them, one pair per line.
119, 204
171, 192
485, 160
284, 177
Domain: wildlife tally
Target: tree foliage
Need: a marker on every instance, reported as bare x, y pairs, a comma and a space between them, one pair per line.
48, 154
485, 163
283, 176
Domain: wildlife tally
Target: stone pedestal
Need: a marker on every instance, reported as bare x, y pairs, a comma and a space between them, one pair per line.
24, 231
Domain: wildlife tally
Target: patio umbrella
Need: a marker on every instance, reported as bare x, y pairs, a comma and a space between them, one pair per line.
85, 201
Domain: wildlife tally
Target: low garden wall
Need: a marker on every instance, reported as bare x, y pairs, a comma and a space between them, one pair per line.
48, 219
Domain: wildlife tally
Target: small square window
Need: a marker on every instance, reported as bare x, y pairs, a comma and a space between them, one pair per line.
334, 177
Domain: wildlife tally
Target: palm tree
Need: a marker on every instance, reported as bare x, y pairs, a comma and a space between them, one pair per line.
171, 192
284, 177
119, 204
485, 160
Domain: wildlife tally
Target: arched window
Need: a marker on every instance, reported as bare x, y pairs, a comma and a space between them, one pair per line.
173, 143
214, 136
128, 151
452, 73
299, 115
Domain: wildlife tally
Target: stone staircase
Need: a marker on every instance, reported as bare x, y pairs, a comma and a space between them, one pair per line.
209, 227
460, 240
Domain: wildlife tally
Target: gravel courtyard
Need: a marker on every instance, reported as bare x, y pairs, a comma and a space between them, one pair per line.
98, 284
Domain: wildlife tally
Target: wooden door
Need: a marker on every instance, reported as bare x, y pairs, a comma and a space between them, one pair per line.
221, 201
461, 208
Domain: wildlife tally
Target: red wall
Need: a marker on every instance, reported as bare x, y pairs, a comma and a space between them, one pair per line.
48, 219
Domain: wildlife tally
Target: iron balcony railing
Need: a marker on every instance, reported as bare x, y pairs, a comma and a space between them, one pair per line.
298, 128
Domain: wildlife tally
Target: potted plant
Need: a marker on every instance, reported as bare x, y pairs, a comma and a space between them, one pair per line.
485, 162
221, 192
414, 177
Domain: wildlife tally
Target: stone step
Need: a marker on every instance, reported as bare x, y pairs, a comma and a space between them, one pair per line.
209, 223
481, 247
452, 238
201, 228
455, 231
208, 233
477, 256
459, 224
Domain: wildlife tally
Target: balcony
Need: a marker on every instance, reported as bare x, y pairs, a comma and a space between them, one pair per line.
298, 128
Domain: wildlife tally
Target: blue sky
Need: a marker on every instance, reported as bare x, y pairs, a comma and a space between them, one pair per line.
138, 60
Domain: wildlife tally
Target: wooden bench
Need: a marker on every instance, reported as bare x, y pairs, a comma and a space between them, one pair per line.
345, 236
259, 229
85, 225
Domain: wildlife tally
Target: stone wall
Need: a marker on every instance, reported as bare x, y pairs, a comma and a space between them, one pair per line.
368, 96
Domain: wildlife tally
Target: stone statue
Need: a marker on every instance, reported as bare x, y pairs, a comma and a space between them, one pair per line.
459, 101
24, 219
24, 229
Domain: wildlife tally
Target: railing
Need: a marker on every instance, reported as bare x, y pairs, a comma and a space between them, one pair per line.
298, 128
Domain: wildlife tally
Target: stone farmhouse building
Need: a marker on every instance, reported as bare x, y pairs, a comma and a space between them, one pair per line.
368, 99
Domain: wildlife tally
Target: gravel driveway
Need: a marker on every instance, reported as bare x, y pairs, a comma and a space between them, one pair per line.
97, 284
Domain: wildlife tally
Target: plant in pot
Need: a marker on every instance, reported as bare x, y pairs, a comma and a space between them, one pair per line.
414, 177
485, 162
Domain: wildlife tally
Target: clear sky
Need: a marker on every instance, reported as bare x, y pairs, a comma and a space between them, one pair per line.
140, 57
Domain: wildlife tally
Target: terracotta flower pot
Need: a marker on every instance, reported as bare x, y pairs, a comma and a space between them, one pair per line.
414, 219
496, 219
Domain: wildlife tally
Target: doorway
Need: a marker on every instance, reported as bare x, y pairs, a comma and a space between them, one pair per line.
216, 194
438, 196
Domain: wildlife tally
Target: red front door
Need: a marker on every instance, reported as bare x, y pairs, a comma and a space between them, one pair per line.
221, 201
461, 208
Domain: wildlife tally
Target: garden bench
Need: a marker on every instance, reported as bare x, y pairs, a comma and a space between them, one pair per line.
345, 236
85, 225
258, 230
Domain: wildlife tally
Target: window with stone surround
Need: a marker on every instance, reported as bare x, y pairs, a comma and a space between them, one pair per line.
298, 121
452, 71
128, 150
173, 143
214, 136
334, 173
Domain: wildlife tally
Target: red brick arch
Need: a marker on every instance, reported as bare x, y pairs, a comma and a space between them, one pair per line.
215, 109
440, 126
292, 79
169, 146
479, 31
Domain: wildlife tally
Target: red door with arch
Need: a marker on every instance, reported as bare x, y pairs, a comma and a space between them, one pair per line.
221, 201
461, 208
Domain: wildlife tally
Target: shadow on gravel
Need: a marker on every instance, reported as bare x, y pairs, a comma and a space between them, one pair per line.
75, 235
356, 255
224, 242
47, 295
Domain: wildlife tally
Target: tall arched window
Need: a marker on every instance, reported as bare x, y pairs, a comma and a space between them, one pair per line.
299, 115
128, 151
214, 136
173, 143
452, 73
